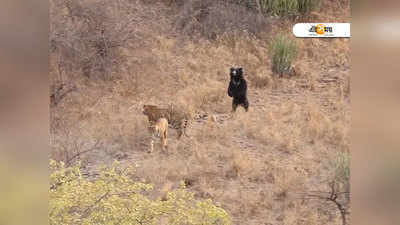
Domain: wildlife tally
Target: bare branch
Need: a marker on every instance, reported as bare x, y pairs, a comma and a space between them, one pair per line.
69, 160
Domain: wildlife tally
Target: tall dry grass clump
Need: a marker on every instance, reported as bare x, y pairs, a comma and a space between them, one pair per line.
284, 51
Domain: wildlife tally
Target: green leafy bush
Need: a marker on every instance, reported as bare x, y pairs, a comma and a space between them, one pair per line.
114, 198
284, 52
288, 7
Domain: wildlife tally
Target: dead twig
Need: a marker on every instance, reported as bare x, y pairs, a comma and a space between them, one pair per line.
69, 161
332, 196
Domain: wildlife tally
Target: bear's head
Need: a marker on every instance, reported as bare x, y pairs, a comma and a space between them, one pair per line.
236, 75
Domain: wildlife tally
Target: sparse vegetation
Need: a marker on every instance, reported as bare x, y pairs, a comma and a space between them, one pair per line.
252, 165
288, 7
283, 53
212, 18
337, 192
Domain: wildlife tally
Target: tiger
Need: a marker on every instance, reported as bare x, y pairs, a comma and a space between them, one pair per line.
176, 121
159, 129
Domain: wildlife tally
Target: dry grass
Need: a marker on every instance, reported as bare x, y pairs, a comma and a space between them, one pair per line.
210, 18
254, 163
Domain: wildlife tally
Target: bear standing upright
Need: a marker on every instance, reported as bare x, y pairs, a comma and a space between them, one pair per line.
238, 89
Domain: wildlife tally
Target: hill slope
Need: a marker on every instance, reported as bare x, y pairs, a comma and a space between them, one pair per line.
259, 165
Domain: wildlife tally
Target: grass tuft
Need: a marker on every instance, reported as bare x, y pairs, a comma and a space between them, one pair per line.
284, 51
342, 172
288, 7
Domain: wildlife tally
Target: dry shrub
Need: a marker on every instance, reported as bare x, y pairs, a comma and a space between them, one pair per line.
88, 36
210, 18
70, 146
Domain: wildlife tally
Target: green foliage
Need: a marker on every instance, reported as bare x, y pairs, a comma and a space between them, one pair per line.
113, 198
306, 6
284, 51
278, 7
342, 172
288, 7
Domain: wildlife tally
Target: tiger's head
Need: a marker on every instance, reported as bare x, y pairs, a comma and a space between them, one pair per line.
148, 108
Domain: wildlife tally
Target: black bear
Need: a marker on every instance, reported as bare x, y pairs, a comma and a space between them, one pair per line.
238, 89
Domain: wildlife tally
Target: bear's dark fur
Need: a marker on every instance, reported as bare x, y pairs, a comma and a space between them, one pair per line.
238, 89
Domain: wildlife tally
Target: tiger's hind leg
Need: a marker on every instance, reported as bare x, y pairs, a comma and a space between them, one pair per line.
164, 140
